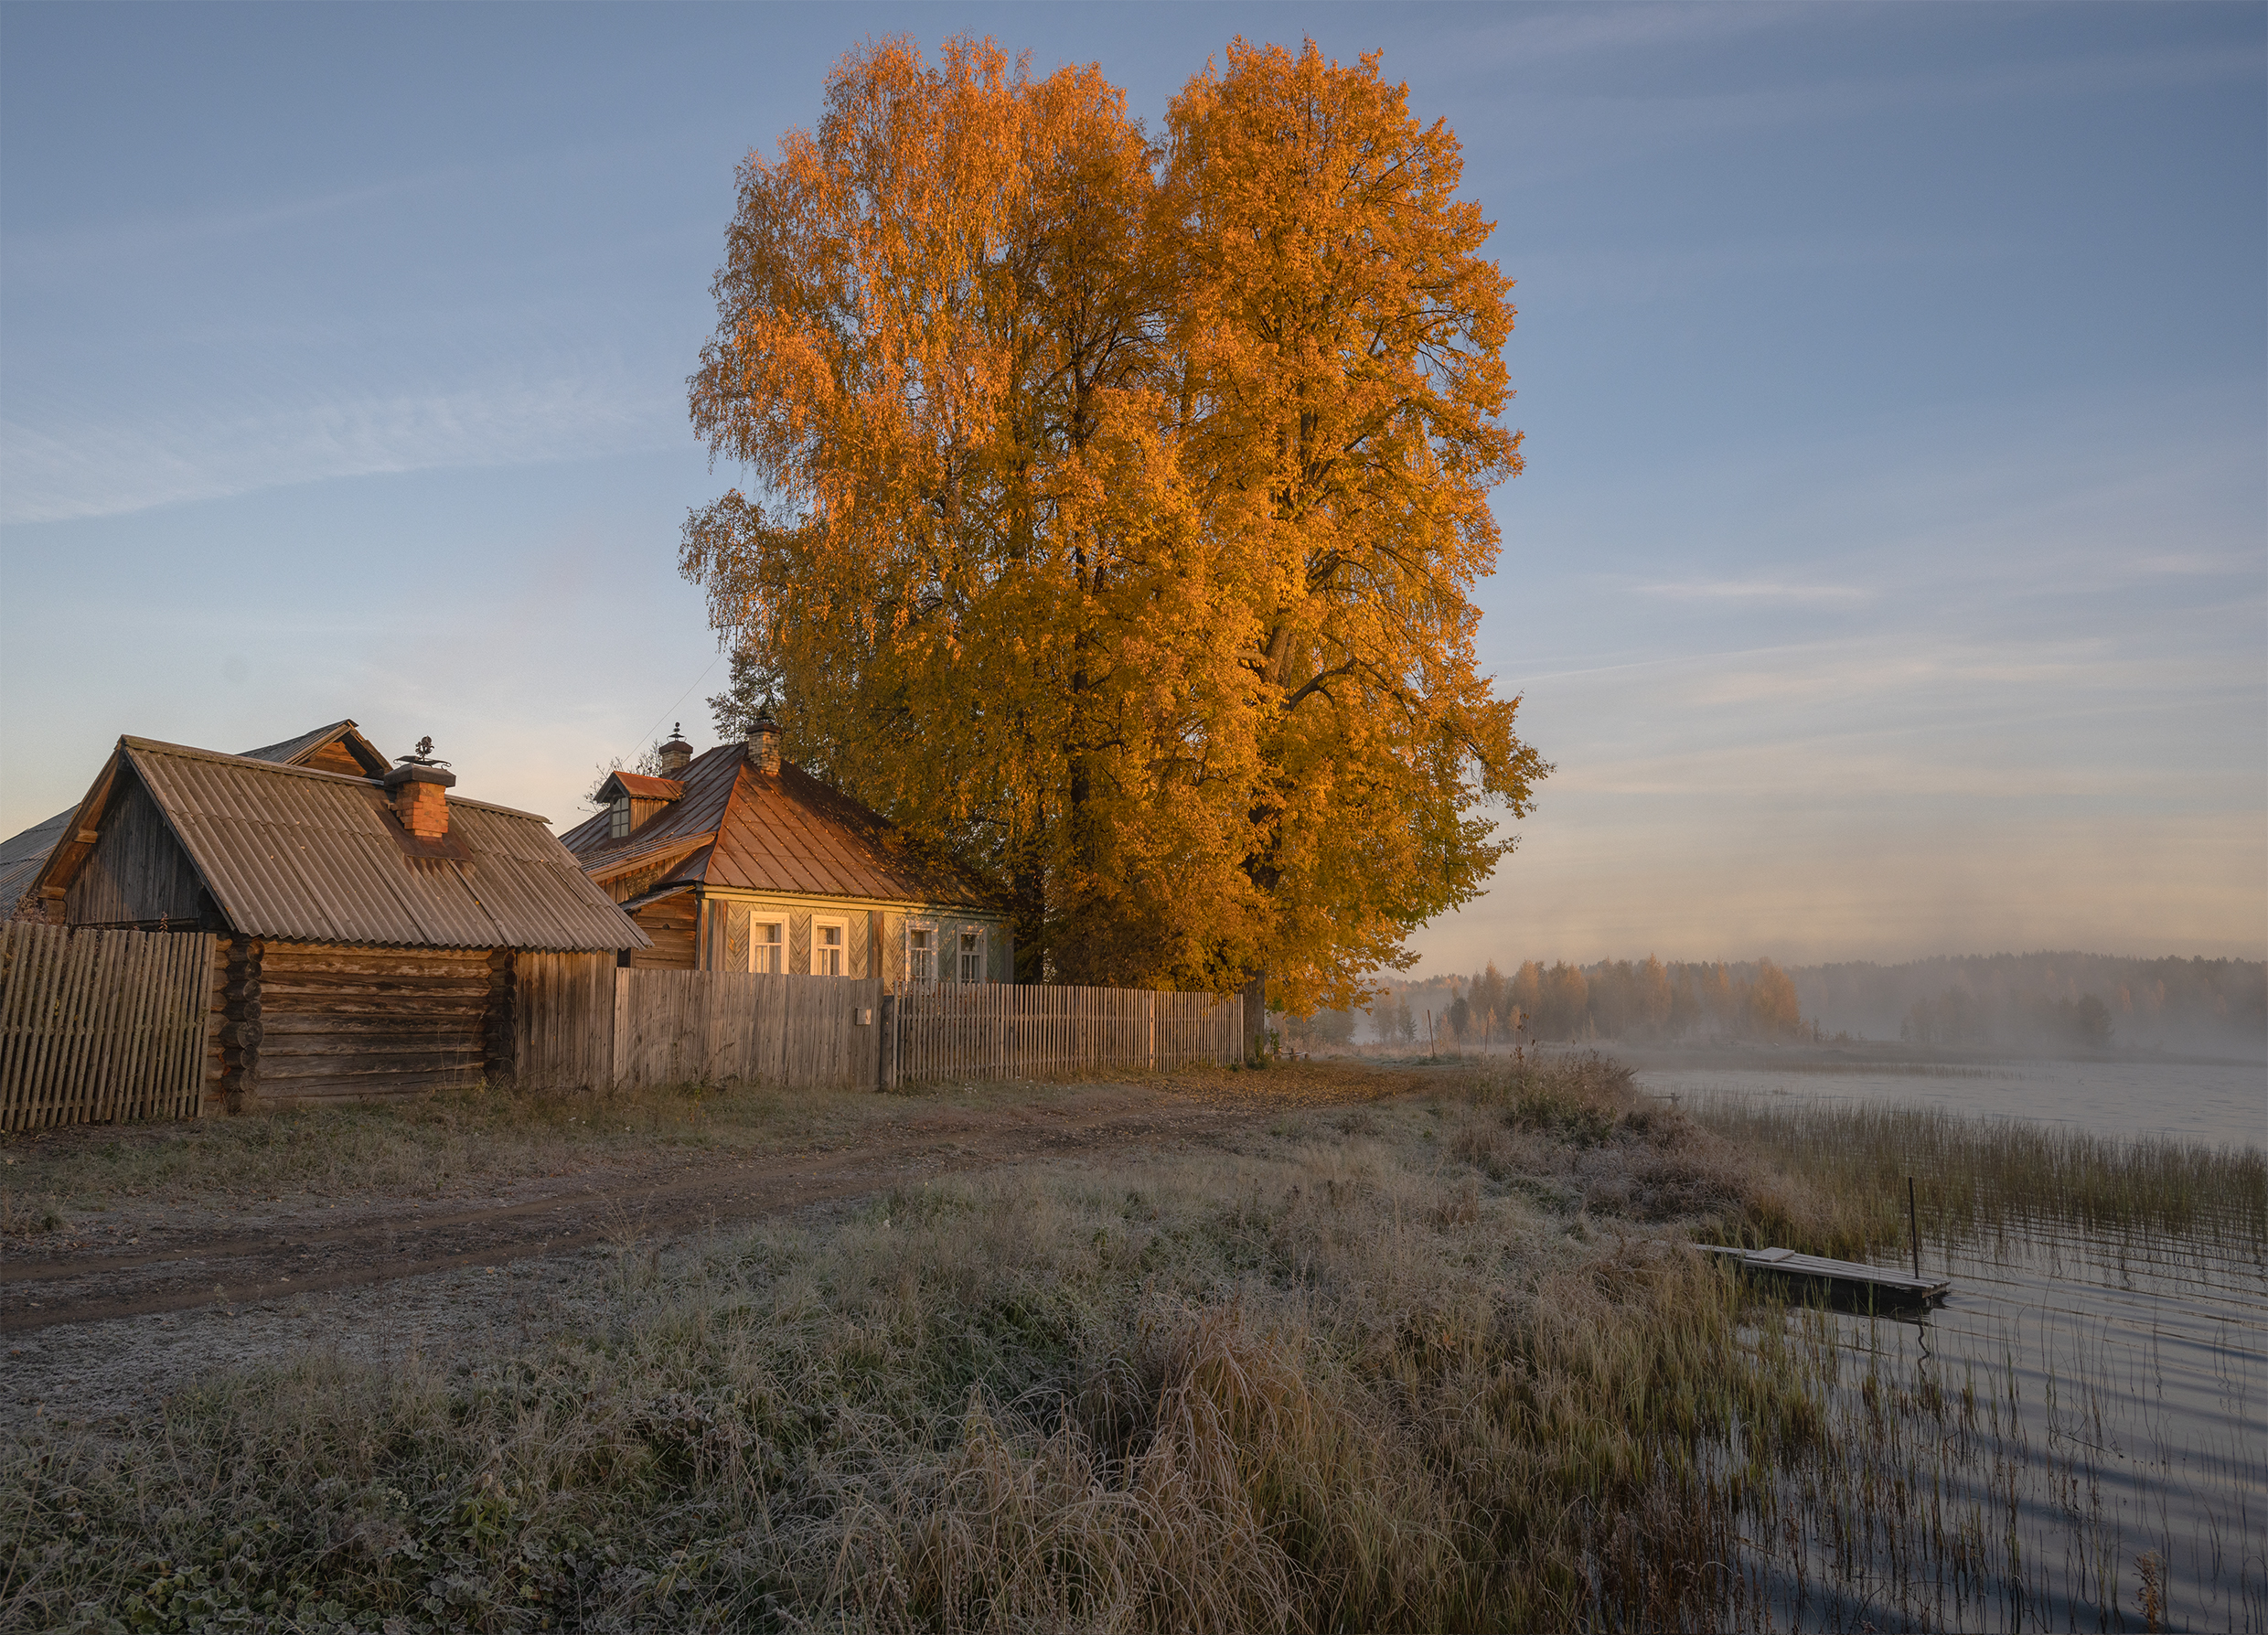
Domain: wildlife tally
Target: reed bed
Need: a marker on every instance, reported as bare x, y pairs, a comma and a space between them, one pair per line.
1989, 1176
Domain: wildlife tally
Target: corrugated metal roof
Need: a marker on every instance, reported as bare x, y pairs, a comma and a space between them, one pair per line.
784, 832
685, 822
290, 853
22, 855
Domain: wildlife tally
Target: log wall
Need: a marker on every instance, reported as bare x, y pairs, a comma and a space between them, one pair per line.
351, 1022
671, 921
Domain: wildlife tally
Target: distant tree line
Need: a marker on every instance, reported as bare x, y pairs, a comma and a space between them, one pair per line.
1642, 999
1960, 1017
2049, 1000
2214, 1006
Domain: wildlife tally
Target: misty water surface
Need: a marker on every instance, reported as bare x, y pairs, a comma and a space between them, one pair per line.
2218, 1103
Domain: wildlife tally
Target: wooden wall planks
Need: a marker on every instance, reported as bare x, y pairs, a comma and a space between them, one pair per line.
137, 873
101, 1025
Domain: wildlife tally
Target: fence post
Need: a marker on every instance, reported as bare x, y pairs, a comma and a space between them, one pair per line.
886, 1026
618, 1053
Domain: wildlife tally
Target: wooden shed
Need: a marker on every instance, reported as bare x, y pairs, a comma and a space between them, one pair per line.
369, 929
739, 861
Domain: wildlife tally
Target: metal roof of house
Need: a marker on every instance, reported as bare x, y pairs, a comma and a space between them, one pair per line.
21, 855
639, 787
784, 832
294, 853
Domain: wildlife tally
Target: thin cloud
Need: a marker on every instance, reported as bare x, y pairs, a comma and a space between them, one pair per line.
1758, 591
1585, 31
58, 473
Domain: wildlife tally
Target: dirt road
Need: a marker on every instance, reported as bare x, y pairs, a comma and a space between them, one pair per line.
313, 1246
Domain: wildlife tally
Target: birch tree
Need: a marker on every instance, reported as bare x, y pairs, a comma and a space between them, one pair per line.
1115, 505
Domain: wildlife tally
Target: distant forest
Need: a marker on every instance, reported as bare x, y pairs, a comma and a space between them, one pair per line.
2012, 1002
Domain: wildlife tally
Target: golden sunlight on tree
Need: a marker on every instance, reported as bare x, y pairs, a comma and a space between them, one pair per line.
1118, 504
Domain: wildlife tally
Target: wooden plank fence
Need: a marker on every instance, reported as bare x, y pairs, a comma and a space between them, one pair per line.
97, 1026
724, 1027
104, 1025
946, 1030
563, 1020
580, 1025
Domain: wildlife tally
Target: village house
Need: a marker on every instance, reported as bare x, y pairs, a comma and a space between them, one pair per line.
737, 860
370, 927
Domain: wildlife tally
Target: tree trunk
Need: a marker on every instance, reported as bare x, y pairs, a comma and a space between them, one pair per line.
1255, 1018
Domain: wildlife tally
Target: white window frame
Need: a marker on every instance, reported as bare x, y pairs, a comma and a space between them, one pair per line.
773, 950
841, 949
619, 819
963, 953
912, 974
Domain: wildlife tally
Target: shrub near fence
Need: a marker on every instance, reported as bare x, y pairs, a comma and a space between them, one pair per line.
101, 1025
944, 1031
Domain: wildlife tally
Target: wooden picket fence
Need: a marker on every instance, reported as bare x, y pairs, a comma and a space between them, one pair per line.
101, 1025
944, 1030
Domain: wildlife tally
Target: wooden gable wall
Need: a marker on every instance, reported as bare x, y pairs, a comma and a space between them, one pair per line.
137, 873
335, 756
671, 921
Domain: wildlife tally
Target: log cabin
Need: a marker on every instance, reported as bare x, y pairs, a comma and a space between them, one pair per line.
367, 928
737, 861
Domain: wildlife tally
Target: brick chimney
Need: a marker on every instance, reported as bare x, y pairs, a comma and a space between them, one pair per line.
420, 788
676, 755
764, 735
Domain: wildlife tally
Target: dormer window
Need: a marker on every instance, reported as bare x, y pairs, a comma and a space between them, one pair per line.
619, 819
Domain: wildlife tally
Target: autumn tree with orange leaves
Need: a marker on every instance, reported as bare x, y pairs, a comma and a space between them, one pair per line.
1117, 502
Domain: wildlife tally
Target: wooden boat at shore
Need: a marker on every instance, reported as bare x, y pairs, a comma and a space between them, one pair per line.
1847, 1279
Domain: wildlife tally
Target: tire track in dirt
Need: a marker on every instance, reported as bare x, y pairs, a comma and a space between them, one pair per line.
244, 1267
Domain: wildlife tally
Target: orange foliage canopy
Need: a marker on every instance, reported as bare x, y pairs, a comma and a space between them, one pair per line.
1120, 501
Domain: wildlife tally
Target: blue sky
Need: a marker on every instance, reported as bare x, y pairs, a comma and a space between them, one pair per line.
1889, 576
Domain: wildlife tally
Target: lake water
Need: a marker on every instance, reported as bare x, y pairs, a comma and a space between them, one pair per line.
2082, 1428
2077, 1438
2209, 1102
